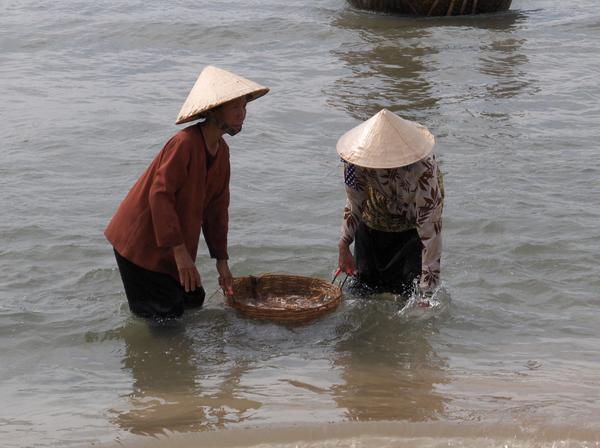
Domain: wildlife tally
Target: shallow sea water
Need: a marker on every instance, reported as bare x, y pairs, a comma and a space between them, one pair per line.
507, 357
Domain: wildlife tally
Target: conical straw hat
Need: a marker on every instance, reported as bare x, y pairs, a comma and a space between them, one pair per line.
385, 141
214, 87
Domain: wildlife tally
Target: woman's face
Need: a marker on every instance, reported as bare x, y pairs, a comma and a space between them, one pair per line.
232, 115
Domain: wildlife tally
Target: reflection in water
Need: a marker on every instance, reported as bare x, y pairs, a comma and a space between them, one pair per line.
389, 368
509, 21
387, 65
502, 60
404, 63
167, 393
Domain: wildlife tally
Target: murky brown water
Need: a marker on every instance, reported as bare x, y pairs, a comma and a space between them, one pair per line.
507, 357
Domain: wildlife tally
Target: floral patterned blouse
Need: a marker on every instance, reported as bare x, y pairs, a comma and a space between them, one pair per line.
398, 199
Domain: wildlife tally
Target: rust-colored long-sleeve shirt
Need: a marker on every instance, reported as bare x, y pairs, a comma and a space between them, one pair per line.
175, 198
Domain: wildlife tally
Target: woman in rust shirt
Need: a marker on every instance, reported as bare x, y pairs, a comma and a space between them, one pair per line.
185, 190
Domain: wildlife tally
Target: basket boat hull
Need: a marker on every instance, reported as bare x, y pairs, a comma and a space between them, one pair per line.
433, 7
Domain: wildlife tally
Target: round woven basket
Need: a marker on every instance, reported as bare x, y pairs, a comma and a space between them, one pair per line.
286, 298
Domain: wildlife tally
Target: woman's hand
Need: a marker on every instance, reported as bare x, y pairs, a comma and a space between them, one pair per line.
225, 277
346, 261
189, 277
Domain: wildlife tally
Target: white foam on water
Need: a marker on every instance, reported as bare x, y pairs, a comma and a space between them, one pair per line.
420, 307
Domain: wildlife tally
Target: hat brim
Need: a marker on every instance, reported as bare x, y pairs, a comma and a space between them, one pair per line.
202, 113
385, 141
213, 88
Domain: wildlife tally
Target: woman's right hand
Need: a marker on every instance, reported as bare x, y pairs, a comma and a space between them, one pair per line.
346, 261
189, 277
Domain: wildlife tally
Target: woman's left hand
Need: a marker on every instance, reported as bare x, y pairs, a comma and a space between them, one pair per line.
346, 261
225, 277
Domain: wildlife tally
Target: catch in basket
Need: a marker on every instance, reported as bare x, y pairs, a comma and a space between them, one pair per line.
285, 298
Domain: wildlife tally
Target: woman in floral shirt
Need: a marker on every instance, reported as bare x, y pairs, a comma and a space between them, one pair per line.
394, 205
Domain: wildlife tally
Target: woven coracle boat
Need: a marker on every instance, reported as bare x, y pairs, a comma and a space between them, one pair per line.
284, 298
433, 7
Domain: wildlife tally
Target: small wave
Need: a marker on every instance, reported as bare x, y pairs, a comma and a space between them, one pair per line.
383, 435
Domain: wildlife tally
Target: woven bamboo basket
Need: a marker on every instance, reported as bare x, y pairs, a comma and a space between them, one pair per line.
433, 7
284, 298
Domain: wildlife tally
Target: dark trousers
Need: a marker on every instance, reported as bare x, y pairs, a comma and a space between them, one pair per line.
387, 261
155, 294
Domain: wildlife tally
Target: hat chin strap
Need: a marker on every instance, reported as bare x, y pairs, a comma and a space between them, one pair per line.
221, 124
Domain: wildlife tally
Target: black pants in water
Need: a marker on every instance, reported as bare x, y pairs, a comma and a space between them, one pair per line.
154, 294
387, 261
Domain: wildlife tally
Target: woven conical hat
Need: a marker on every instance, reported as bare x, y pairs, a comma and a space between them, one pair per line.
214, 87
385, 141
